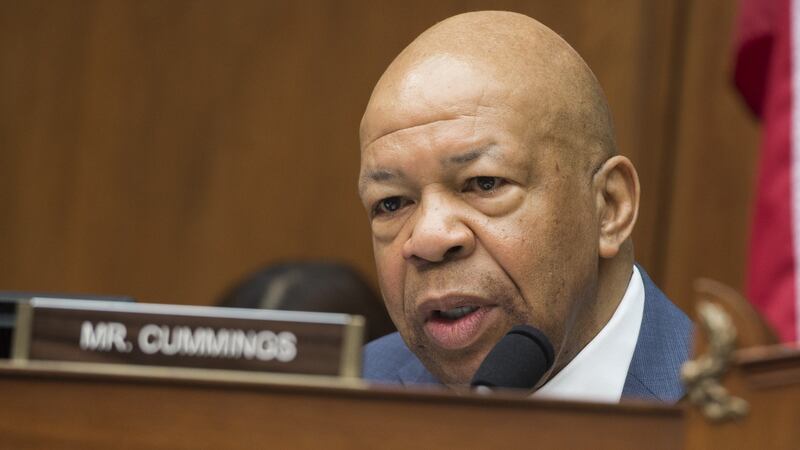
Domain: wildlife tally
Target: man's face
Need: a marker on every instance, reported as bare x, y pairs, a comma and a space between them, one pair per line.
479, 222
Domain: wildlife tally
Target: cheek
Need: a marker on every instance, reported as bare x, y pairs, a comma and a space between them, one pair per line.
545, 251
391, 272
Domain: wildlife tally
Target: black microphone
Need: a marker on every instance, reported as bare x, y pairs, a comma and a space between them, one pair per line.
518, 361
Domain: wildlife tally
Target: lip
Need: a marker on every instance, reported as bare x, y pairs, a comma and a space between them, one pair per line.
462, 332
449, 301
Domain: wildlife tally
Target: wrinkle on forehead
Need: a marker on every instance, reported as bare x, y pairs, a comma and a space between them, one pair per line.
410, 127
495, 59
440, 88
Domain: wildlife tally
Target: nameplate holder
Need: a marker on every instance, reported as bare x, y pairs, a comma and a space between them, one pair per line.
188, 336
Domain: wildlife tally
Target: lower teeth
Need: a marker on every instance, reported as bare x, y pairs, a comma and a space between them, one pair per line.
457, 313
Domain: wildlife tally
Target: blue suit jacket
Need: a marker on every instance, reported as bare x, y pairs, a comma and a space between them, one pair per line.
654, 373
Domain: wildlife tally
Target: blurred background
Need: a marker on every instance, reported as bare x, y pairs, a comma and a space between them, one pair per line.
164, 149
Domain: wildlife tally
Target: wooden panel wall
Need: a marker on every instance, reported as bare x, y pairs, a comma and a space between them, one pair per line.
715, 160
162, 149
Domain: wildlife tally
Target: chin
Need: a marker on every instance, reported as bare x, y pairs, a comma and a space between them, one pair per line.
453, 372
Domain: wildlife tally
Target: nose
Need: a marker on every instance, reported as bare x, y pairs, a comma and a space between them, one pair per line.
439, 232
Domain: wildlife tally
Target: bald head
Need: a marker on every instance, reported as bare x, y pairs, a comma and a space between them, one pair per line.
499, 56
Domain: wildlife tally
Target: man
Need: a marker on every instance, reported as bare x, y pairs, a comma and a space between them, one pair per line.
496, 197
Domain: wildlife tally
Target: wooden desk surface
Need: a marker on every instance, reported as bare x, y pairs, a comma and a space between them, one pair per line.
59, 406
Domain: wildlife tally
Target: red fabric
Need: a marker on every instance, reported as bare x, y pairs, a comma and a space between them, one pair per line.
763, 74
754, 39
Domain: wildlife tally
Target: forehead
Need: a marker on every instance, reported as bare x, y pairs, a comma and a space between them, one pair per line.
437, 151
445, 107
438, 88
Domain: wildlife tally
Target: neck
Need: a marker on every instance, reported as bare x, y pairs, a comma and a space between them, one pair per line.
613, 278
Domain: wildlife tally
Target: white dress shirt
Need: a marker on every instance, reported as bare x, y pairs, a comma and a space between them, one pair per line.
598, 372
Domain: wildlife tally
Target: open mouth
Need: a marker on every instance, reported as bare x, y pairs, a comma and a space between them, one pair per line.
455, 313
458, 327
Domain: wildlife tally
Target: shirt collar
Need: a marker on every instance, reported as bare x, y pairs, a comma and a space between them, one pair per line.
597, 373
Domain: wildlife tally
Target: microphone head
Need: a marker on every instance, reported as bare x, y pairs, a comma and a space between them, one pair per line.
518, 361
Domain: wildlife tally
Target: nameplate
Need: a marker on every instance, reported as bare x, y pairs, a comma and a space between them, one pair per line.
188, 336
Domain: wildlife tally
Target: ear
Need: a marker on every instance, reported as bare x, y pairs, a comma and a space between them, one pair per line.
616, 188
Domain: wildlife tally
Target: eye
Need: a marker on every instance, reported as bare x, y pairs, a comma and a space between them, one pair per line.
483, 184
388, 205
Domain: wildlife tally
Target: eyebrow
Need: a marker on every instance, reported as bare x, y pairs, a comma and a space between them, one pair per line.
467, 157
377, 176
382, 175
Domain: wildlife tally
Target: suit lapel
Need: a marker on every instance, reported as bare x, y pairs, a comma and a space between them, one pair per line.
661, 350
